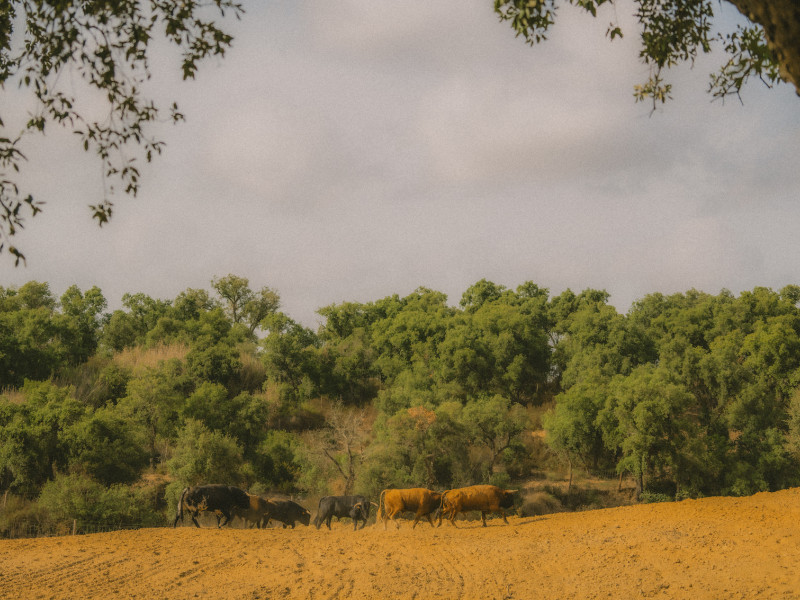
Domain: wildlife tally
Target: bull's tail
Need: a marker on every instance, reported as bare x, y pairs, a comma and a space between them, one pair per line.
179, 511
381, 508
441, 507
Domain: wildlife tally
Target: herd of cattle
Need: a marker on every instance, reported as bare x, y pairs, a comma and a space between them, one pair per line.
227, 502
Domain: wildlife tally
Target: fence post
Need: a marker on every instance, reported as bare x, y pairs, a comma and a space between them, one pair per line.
74, 526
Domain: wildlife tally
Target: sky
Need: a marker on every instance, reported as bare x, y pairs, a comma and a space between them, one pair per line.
348, 151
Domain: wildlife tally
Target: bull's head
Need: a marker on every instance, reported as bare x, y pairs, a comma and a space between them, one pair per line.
357, 512
305, 518
508, 498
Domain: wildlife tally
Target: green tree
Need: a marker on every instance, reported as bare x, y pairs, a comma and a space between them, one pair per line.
205, 456
498, 345
274, 462
410, 334
210, 405
421, 446
242, 304
646, 416
105, 46
126, 329
30, 344
677, 31
572, 425
191, 303
495, 424
290, 353
154, 400
235, 292
107, 446
33, 448
81, 321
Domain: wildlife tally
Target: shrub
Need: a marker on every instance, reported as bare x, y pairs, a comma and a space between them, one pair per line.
540, 503
203, 456
651, 497
77, 496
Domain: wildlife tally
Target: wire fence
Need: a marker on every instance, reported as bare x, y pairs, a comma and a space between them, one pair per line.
28, 529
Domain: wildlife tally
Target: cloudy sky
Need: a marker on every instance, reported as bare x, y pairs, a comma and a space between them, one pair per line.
346, 151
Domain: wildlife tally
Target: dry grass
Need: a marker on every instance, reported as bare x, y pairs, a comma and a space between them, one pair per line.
12, 395
143, 358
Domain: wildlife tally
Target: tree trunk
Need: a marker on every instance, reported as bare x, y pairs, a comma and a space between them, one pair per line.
781, 22
569, 481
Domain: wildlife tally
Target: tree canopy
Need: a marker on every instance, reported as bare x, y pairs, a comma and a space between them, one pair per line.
47, 47
677, 31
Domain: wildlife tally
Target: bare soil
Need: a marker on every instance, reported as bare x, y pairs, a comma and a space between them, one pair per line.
710, 548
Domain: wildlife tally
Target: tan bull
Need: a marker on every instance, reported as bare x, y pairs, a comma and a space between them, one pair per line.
485, 498
421, 501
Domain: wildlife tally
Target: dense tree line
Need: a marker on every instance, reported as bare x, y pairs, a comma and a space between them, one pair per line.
108, 415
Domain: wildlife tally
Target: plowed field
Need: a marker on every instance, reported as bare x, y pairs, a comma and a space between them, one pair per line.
711, 548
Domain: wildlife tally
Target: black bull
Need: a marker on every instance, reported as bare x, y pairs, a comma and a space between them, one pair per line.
222, 500
355, 507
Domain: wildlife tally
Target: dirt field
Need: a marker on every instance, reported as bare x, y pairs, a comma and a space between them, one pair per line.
712, 548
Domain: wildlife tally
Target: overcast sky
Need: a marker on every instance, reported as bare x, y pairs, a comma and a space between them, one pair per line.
346, 151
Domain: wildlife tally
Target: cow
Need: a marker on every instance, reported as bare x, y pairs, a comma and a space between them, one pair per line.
222, 500
421, 501
485, 498
258, 512
288, 512
355, 507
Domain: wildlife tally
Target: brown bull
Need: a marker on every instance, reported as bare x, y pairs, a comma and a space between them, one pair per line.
420, 501
258, 511
485, 498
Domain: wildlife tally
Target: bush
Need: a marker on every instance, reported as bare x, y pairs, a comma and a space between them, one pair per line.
203, 456
651, 497
18, 510
501, 479
77, 496
540, 503
578, 498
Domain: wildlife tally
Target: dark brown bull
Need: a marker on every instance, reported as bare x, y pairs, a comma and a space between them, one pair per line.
485, 498
420, 501
288, 512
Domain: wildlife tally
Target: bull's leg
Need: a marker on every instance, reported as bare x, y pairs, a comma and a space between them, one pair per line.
194, 519
227, 516
392, 517
449, 513
483, 517
502, 512
430, 519
328, 521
